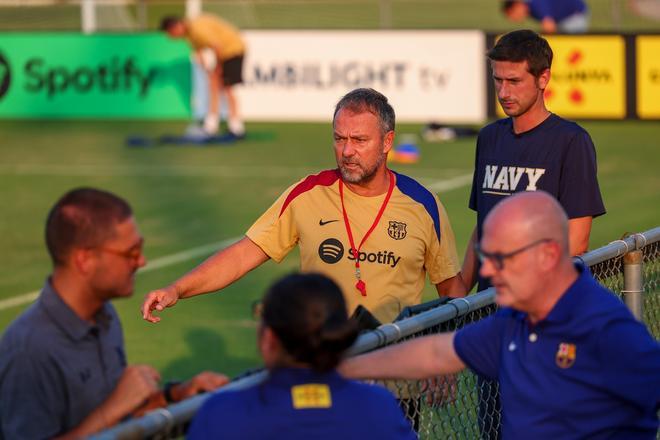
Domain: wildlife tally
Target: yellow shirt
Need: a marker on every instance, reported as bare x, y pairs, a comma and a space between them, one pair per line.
211, 31
413, 238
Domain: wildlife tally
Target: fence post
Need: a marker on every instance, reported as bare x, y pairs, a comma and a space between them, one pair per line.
633, 282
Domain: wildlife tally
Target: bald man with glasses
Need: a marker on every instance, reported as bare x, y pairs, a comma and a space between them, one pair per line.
570, 359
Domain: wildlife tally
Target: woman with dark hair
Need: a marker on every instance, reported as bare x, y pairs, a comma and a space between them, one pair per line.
303, 334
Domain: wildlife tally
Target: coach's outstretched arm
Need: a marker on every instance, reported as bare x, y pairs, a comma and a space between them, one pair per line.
419, 358
218, 271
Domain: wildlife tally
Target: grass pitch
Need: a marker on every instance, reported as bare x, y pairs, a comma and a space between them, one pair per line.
186, 197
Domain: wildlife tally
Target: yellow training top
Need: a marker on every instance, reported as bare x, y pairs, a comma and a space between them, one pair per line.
214, 32
414, 237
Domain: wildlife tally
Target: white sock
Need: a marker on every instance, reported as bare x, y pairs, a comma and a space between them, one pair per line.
211, 123
236, 126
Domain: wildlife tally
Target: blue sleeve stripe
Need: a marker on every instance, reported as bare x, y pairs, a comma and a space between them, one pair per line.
418, 193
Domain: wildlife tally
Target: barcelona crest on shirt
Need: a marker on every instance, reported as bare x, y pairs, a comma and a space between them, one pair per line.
565, 356
397, 230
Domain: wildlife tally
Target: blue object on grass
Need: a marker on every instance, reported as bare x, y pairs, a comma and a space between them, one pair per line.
139, 141
197, 139
186, 139
407, 148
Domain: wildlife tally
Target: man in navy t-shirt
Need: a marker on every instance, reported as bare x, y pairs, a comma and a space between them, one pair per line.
533, 149
530, 150
571, 360
569, 16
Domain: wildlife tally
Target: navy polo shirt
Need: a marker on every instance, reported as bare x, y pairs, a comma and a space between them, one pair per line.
556, 156
56, 368
298, 403
588, 370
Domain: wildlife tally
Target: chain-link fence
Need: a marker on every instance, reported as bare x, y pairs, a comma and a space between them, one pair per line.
464, 406
652, 288
460, 406
610, 273
451, 406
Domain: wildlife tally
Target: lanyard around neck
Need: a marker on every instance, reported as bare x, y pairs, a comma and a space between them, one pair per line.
361, 285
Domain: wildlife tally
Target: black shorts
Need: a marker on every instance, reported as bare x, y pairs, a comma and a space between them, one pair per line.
232, 71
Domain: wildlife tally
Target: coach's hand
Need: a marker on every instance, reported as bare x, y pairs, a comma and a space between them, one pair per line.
158, 300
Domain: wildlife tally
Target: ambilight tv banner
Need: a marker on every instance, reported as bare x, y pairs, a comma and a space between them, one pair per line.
427, 75
73, 75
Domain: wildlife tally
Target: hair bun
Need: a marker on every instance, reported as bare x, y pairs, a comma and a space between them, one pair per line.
307, 312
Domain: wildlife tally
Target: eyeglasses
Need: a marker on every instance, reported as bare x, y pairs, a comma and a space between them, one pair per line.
498, 258
133, 253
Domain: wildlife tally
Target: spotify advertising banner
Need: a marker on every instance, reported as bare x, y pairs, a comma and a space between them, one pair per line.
79, 76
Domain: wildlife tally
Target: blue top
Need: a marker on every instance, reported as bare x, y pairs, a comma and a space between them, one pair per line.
556, 156
588, 370
298, 403
56, 368
558, 10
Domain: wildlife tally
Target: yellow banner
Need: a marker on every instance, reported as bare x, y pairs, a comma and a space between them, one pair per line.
588, 77
648, 76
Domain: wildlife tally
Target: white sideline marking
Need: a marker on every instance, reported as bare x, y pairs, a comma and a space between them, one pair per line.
189, 170
153, 170
168, 260
453, 183
18, 300
157, 263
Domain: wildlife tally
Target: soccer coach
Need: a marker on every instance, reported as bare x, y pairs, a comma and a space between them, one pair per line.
376, 233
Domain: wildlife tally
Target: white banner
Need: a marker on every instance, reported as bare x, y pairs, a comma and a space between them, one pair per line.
427, 75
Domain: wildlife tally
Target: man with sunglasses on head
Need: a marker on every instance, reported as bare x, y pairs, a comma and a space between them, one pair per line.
570, 359
63, 370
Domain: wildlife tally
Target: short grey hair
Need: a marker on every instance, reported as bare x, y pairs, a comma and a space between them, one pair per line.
366, 99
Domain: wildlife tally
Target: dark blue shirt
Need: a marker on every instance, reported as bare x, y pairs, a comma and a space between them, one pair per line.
558, 10
588, 370
298, 403
55, 368
556, 156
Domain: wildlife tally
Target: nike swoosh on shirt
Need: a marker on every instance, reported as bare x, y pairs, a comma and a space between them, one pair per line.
322, 223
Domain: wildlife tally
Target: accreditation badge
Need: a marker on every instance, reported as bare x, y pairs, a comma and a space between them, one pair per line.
311, 395
565, 356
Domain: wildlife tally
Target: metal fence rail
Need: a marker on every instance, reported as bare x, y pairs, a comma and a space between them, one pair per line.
448, 406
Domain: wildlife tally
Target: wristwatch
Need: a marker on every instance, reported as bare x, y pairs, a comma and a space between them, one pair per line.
167, 390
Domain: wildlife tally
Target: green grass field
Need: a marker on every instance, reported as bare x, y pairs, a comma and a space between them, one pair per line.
186, 197
606, 15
